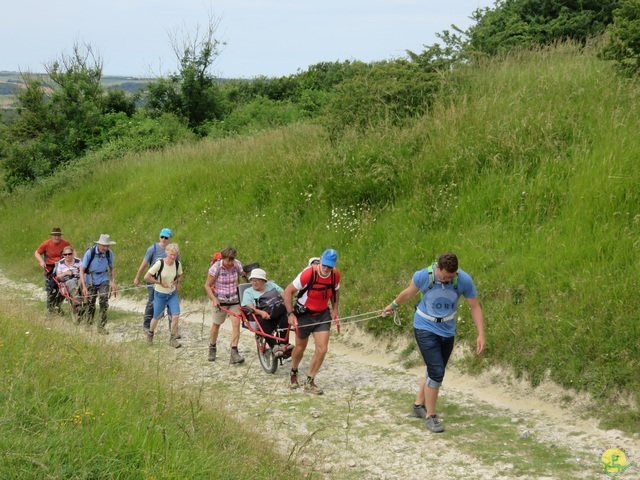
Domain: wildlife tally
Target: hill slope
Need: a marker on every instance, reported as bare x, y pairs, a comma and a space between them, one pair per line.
524, 167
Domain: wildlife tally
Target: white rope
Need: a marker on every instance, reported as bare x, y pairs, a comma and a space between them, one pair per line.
378, 313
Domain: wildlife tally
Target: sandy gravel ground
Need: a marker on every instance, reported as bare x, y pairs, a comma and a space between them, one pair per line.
361, 428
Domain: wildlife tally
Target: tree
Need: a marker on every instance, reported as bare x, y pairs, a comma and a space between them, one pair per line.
525, 23
191, 93
624, 42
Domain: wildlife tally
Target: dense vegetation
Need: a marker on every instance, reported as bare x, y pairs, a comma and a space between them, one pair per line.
522, 162
68, 113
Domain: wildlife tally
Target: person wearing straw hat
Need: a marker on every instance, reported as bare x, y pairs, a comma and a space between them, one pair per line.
317, 285
98, 279
265, 299
48, 254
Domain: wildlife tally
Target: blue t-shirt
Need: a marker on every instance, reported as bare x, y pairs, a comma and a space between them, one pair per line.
99, 266
441, 301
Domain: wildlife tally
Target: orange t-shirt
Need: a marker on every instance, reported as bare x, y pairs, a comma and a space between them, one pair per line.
52, 252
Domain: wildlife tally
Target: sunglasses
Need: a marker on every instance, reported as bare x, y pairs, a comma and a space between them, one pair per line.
66, 254
163, 237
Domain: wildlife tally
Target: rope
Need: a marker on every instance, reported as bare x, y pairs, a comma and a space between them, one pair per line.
378, 313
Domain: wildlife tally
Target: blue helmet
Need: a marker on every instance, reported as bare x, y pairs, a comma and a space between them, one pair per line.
329, 258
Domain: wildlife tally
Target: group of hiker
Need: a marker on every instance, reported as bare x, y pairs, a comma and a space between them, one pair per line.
92, 277
309, 304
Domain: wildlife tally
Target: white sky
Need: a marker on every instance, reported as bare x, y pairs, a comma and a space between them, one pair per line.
264, 37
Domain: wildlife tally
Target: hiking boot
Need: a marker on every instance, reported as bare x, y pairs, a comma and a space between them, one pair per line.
150, 337
278, 351
419, 411
433, 424
212, 353
235, 356
289, 348
311, 387
173, 341
294, 381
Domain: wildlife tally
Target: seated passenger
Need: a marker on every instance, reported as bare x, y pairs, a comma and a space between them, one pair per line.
266, 302
68, 272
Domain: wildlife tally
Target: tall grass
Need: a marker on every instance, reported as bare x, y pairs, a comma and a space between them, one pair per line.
70, 408
524, 167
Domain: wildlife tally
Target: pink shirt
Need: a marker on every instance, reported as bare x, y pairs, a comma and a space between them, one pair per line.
225, 286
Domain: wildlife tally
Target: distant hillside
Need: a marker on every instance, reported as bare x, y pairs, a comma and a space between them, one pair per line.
10, 82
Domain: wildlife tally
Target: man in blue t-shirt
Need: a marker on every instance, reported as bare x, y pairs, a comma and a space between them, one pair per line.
154, 253
434, 325
98, 279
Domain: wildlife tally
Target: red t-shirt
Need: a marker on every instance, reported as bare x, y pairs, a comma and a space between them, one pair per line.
52, 252
317, 297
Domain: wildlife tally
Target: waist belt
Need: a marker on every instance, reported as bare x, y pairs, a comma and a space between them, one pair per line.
97, 273
436, 319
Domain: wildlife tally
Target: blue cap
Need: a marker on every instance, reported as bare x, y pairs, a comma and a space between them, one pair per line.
166, 232
329, 258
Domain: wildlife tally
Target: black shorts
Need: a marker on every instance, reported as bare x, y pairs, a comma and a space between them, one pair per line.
308, 324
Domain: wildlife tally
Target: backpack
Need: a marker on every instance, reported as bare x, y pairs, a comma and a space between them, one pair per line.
313, 262
158, 275
94, 249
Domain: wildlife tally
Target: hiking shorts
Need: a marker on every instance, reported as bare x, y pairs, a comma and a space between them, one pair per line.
308, 324
219, 315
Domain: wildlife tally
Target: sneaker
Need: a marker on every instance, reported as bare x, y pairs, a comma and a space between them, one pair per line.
294, 381
311, 387
150, 337
433, 424
289, 348
212, 353
235, 356
419, 411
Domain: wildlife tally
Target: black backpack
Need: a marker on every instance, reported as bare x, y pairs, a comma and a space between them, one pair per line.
94, 250
158, 275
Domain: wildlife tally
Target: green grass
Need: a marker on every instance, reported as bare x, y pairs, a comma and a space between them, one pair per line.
72, 408
526, 167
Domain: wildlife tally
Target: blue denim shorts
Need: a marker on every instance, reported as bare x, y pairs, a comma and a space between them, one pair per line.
161, 300
435, 351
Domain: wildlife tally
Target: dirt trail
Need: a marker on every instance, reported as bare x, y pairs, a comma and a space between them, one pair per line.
361, 427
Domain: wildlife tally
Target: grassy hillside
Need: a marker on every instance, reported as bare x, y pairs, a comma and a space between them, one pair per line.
524, 168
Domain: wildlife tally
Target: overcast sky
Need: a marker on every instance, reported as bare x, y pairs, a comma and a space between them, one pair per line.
264, 37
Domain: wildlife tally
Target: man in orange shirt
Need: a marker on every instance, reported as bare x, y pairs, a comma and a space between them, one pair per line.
48, 253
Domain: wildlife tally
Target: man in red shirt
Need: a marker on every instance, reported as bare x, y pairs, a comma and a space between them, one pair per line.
317, 285
48, 253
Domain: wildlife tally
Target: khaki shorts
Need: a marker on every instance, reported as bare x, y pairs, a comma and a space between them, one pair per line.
219, 315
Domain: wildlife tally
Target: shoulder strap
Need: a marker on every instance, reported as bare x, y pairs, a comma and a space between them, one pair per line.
314, 277
91, 257
432, 279
158, 275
